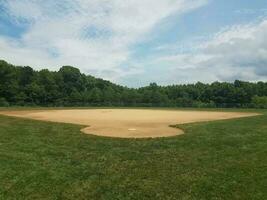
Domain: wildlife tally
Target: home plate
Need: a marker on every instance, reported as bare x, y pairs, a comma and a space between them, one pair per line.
131, 129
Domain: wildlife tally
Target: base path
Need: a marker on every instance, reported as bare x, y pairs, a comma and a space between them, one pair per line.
127, 123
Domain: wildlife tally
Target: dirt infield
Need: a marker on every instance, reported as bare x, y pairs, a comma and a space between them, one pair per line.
127, 123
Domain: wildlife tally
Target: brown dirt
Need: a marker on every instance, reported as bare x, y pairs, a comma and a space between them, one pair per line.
127, 123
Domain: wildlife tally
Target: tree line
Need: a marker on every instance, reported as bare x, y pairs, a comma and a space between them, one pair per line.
23, 86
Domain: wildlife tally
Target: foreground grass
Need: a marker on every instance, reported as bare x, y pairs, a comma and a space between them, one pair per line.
213, 160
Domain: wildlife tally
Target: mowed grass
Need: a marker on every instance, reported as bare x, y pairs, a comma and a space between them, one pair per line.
213, 160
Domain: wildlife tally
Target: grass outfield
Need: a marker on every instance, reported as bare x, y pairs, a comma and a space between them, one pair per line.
213, 160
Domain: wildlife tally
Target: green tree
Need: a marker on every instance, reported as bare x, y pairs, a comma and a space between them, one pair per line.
259, 102
3, 102
95, 96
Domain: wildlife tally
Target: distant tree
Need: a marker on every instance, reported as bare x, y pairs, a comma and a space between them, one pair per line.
109, 95
70, 79
3, 102
34, 93
75, 97
47, 81
26, 75
68, 86
259, 102
96, 96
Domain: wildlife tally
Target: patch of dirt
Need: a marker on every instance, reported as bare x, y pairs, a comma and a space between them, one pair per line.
127, 123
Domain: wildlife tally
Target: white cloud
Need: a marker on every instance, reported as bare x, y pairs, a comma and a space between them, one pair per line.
237, 52
94, 35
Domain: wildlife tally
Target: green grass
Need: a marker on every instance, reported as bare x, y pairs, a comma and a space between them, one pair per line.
213, 160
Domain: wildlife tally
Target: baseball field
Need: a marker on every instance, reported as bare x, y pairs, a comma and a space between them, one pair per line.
133, 154
127, 123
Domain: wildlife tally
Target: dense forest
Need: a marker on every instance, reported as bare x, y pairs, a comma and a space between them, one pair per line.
23, 86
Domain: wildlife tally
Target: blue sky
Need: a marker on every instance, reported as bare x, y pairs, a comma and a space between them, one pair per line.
137, 42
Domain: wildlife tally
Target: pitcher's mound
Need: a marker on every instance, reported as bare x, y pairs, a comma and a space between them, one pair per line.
127, 123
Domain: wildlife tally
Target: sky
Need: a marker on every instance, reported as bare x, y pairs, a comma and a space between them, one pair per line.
136, 42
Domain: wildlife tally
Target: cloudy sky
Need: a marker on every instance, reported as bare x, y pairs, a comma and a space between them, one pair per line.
135, 42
